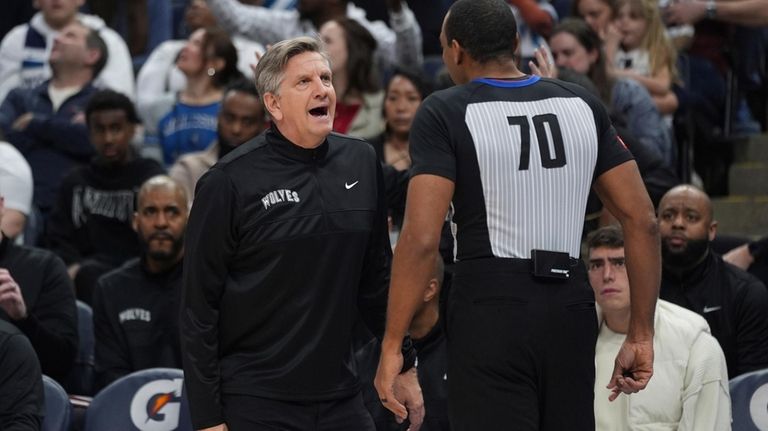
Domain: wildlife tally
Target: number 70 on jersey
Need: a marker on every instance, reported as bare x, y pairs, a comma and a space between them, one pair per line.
552, 156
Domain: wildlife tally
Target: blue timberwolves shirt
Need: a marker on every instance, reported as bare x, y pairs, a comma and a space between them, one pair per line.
187, 129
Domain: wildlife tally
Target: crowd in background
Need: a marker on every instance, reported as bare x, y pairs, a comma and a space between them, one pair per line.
102, 100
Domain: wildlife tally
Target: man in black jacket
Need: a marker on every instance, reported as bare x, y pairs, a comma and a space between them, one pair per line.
90, 227
135, 307
429, 340
21, 406
36, 296
288, 246
734, 303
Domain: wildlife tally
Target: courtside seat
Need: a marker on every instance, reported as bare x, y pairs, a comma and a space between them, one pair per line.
58, 411
749, 401
145, 400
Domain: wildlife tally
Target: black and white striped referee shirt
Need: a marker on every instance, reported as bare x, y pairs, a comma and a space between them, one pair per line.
523, 155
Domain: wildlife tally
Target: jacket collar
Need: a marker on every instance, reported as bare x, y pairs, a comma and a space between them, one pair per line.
287, 148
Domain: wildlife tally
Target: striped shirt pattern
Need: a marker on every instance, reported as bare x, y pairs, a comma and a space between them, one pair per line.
536, 207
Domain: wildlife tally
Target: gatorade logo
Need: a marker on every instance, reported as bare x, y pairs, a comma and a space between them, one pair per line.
156, 405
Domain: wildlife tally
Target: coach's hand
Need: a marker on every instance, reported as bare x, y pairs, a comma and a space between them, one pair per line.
633, 367
400, 393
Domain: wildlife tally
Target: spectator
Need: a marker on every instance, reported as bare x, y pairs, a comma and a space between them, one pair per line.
36, 296
159, 80
24, 51
135, 307
16, 186
90, 226
21, 383
734, 303
576, 46
46, 123
359, 96
429, 340
644, 53
241, 118
209, 62
689, 389
404, 92
400, 44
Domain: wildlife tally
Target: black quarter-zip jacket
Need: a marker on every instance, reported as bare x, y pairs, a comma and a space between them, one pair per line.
135, 315
286, 246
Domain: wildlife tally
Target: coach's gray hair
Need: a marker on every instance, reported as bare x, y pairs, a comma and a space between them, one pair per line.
271, 67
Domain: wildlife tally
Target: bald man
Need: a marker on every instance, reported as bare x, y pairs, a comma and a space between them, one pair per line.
135, 307
734, 303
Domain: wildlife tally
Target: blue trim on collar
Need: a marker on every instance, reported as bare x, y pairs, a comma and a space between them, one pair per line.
508, 84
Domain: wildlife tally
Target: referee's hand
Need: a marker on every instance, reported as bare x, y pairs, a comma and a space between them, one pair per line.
400, 393
633, 368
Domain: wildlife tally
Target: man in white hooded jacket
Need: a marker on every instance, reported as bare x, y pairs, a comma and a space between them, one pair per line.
689, 389
25, 50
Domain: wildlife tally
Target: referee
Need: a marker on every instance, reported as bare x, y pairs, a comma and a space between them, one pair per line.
515, 157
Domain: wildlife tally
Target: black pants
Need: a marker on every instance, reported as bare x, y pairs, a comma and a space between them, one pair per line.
248, 413
521, 351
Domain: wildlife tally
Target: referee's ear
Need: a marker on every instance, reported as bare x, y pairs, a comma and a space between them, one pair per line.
272, 103
457, 52
432, 289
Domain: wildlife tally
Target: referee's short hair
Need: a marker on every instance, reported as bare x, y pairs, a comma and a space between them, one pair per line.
608, 236
486, 29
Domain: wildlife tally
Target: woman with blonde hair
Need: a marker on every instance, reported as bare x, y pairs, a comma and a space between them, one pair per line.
644, 52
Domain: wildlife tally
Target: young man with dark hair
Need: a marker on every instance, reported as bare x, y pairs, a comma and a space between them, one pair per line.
240, 119
689, 390
515, 157
135, 307
90, 226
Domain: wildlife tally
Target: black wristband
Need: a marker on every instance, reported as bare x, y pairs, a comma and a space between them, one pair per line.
409, 354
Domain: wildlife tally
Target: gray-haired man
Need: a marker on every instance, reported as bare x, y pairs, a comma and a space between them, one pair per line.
287, 245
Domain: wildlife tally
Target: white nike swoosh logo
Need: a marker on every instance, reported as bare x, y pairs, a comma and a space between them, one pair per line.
711, 309
349, 186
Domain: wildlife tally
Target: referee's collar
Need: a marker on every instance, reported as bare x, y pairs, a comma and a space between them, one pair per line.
509, 83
